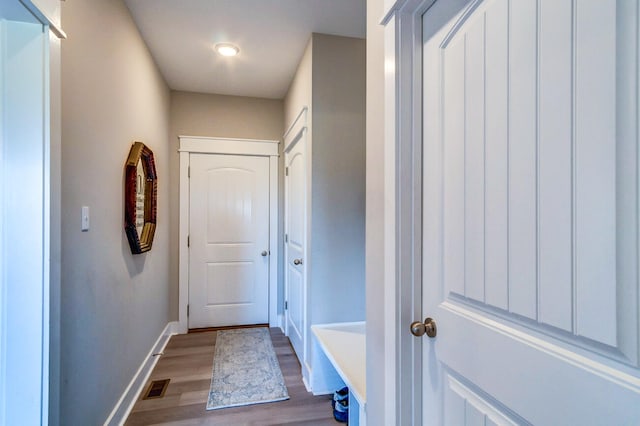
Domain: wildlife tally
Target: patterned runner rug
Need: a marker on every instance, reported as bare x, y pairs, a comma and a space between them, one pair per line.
245, 370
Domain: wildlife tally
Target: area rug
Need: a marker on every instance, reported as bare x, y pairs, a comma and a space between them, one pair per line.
245, 370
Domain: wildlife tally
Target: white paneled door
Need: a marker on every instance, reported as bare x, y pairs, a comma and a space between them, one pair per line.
295, 244
531, 195
229, 240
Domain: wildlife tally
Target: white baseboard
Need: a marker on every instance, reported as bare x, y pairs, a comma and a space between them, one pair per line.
326, 391
126, 402
306, 375
306, 385
173, 328
281, 322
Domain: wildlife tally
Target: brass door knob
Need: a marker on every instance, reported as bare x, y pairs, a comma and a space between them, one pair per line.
297, 261
427, 327
418, 329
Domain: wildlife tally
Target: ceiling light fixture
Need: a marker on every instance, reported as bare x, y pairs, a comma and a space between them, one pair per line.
227, 49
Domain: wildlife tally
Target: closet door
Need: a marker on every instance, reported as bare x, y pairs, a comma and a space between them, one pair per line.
296, 244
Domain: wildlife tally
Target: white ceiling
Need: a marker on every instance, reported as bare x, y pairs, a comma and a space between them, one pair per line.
271, 35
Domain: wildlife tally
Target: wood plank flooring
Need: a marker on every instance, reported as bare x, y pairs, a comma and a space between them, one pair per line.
188, 361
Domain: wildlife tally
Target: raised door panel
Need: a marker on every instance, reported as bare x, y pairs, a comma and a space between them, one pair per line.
530, 207
496, 159
464, 406
529, 175
230, 195
521, 104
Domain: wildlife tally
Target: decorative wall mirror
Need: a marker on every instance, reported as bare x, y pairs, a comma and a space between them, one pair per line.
140, 206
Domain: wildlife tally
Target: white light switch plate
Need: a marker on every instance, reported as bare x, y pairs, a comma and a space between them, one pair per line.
85, 218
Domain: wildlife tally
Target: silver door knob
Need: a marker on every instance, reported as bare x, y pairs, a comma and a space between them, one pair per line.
427, 327
264, 253
297, 261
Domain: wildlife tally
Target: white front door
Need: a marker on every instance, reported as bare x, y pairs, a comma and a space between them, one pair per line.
229, 240
295, 244
531, 209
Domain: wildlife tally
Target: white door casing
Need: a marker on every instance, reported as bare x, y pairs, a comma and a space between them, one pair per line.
530, 243
296, 228
229, 240
29, 138
261, 149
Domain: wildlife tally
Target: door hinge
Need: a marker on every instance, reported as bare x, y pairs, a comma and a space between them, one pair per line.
187, 310
286, 238
286, 171
286, 305
189, 171
188, 240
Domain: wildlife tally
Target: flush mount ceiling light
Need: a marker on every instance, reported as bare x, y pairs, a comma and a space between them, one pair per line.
227, 49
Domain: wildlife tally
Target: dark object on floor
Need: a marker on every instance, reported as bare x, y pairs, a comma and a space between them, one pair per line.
156, 389
340, 405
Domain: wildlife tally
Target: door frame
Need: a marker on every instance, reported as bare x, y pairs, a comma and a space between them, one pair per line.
211, 145
32, 301
403, 208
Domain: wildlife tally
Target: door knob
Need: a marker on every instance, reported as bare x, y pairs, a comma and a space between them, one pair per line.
264, 253
427, 327
297, 261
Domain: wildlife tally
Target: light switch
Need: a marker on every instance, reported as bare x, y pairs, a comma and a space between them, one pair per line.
85, 218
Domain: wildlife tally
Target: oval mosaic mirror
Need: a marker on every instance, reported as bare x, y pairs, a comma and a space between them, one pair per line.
140, 207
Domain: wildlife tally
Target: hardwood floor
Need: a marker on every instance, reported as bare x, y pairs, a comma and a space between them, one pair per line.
188, 360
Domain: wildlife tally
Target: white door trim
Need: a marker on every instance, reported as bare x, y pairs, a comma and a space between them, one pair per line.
403, 208
29, 259
294, 131
210, 145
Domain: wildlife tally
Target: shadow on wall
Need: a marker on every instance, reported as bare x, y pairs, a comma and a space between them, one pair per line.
135, 262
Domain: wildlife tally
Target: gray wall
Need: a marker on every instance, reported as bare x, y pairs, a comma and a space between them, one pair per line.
330, 80
113, 305
337, 266
375, 216
300, 90
195, 114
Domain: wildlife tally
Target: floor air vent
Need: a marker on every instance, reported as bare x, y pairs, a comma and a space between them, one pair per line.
156, 389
